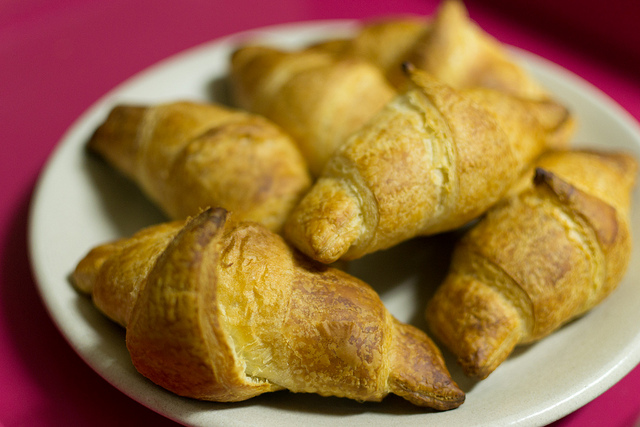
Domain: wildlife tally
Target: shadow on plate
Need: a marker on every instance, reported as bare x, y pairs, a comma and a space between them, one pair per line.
219, 91
126, 207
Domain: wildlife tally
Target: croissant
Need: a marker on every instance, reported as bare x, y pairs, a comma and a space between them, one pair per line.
448, 45
224, 310
318, 99
187, 156
537, 260
433, 159
457, 51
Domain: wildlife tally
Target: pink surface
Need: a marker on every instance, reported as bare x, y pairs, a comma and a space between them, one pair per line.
59, 56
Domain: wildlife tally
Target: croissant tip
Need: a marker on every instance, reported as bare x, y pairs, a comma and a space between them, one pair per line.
540, 175
557, 185
408, 67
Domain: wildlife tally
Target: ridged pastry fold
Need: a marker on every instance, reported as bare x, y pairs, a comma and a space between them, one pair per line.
187, 156
538, 259
431, 160
225, 310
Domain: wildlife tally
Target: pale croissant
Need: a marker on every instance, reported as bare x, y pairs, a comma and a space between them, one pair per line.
433, 159
537, 260
449, 45
221, 310
316, 98
187, 156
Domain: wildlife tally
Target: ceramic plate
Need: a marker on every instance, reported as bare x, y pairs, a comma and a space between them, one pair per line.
80, 203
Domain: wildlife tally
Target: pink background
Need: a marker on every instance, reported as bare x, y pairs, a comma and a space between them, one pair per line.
57, 57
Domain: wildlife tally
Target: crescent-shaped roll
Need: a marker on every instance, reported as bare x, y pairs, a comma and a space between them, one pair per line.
187, 156
460, 53
537, 259
222, 310
433, 159
318, 99
448, 45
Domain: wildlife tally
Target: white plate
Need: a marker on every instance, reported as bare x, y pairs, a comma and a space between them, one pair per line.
80, 203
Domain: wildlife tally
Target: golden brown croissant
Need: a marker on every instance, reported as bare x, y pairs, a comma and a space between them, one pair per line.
433, 159
449, 46
316, 98
222, 310
537, 260
188, 156
457, 51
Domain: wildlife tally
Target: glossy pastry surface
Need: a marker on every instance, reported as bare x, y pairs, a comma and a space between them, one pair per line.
538, 259
433, 159
187, 156
222, 310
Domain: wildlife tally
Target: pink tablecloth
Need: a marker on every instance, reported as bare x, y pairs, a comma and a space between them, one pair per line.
59, 56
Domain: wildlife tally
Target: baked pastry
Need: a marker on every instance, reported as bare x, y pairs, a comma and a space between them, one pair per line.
449, 45
187, 156
460, 53
385, 42
433, 159
318, 99
222, 310
537, 260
